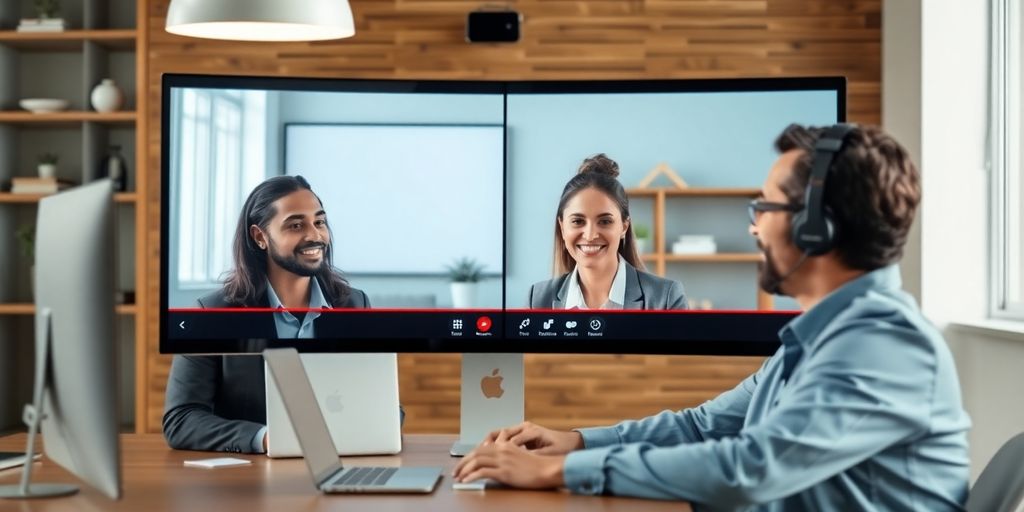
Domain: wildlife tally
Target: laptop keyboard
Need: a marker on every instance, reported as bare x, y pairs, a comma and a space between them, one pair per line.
365, 477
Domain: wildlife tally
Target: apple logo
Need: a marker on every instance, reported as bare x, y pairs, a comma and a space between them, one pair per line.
333, 402
491, 385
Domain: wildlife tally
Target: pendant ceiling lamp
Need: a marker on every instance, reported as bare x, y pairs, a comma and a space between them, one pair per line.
261, 20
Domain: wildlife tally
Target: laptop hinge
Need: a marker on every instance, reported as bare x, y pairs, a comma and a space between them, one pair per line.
325, 483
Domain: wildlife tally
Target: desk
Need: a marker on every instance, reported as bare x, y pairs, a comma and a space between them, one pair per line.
154, 479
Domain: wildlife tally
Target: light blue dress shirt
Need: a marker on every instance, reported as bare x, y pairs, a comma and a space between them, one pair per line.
858, 410
289, 327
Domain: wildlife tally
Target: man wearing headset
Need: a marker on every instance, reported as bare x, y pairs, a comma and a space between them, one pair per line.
858, 410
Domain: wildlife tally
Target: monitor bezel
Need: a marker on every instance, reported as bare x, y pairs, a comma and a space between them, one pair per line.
759, 328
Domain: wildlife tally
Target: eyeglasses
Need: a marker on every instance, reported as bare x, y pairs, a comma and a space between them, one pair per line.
756, 207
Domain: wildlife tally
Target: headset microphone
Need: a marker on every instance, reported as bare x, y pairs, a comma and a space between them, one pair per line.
776, 285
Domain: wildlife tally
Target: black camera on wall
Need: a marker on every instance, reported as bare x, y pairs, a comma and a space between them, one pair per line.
493, 26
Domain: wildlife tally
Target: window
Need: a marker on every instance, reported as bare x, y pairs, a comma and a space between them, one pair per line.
211, 152
1006, 158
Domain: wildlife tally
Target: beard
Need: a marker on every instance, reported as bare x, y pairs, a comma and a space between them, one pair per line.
293, 264
768, 276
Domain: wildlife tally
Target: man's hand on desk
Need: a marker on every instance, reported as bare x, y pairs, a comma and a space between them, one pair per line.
538, 439
511, 464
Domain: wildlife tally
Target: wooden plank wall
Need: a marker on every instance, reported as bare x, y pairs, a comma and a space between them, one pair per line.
561, 39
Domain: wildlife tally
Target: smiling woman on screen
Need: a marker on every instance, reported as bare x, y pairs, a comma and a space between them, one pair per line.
596, 264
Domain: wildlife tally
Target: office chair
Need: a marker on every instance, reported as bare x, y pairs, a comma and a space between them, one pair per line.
1000, 487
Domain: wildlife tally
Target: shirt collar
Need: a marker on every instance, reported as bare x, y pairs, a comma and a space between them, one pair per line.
805, 328
616, 295
316, 296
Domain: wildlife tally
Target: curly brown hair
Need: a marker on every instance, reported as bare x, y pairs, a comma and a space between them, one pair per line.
872, 192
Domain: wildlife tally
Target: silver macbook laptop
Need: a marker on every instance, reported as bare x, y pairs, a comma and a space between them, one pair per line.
358, 396
317, 447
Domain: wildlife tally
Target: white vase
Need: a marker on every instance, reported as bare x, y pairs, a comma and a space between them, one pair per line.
463, 295
46, 170
106, 97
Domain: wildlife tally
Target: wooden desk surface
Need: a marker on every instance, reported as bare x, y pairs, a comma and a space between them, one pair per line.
155, 479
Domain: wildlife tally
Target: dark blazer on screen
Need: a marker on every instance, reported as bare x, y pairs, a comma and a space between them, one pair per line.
219, 403
643, 291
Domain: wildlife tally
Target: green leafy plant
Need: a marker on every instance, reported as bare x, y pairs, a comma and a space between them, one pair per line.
48, 158
26, 236
465, 270
46, 8
641, 231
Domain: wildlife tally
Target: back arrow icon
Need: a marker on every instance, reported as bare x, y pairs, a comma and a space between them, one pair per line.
182, 325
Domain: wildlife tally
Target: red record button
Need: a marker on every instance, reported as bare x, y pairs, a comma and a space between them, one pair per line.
483, 324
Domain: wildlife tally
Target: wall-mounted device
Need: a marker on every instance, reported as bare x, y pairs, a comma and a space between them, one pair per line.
493, 26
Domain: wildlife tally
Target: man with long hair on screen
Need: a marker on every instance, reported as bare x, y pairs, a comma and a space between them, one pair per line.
860, 407
282, 251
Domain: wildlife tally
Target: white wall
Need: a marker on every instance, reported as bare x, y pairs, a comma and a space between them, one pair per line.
935, 96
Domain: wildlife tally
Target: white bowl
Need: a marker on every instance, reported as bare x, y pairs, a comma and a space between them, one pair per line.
43, 105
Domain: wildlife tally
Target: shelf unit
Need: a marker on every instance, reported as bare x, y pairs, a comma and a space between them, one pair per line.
7, 197
659, 258
67, 118
30, 309
106, 41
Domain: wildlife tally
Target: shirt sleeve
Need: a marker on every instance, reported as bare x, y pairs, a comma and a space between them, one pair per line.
257, 440
867, 389
720, 417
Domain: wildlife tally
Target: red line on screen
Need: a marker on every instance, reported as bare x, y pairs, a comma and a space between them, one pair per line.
493, 311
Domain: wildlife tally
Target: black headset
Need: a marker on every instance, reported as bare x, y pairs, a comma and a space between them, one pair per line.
812, 228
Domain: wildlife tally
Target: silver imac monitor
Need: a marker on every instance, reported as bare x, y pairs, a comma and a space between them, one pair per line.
75, 396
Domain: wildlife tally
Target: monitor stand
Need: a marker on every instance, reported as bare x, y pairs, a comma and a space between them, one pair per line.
33, 416
492, 397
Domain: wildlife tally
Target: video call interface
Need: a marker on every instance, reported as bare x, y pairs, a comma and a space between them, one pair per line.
434, 214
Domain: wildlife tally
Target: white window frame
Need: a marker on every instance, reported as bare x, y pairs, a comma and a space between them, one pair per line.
1005, 160
213, 264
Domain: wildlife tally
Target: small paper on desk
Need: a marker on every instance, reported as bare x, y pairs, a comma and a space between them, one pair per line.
219, 462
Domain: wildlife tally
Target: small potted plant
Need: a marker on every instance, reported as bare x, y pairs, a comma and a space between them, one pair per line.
46, 9
47, 167
642, 235
465, 273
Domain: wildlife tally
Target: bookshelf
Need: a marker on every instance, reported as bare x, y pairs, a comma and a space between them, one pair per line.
659, 258
104, 39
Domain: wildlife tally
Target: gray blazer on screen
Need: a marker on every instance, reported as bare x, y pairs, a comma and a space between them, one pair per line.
219, 403
643, 291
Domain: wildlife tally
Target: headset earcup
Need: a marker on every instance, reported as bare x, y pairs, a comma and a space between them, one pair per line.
829, 235
820, 240
796, 226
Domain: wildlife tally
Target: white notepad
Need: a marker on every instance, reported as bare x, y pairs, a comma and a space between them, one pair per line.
220, 462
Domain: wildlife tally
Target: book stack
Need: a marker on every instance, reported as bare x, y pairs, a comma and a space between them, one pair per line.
41, 25
22, 185
695, 244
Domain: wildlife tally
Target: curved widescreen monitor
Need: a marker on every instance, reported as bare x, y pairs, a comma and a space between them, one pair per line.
430, 222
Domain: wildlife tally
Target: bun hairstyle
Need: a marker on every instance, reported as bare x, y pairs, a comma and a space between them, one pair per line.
599, 164
601, 173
